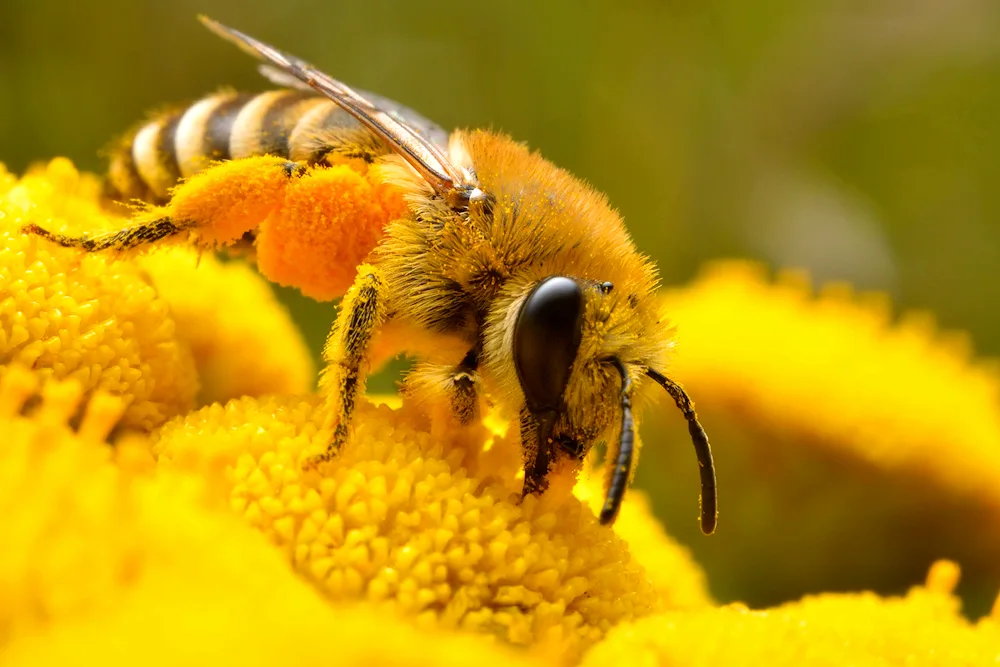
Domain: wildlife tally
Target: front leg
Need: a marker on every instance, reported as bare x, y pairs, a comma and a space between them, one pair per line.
362, 312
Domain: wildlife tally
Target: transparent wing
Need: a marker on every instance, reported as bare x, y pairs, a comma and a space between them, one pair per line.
420, 124
423, 155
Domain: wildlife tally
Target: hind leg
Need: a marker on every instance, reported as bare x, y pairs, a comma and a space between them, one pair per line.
214, 207
122, 240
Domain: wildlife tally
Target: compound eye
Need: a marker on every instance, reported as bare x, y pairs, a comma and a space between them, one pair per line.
546, 339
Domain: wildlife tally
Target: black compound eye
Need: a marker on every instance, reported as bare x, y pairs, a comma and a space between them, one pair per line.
546, 339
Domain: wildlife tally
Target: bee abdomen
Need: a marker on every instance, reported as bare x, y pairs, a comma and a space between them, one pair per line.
224, 126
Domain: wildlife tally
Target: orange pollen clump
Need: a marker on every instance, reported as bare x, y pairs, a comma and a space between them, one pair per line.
235, 196
331, 218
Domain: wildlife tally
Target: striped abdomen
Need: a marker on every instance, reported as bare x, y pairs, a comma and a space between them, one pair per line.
286, 123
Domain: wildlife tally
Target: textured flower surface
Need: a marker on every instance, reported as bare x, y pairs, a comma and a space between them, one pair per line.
432, 527
79, 316
148, 329
198, 537
107, 560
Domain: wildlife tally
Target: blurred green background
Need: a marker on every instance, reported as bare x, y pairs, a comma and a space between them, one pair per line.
857, 139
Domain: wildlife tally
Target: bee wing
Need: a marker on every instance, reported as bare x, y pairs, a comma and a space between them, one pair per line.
427, 158
420, 124
415, 122
280, 77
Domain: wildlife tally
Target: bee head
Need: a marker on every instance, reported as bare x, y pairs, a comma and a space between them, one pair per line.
547, 334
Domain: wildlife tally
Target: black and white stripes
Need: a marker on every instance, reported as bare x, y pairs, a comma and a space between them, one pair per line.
220, 127
291, 123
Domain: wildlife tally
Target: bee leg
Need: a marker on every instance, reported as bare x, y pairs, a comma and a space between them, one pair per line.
464, 396
362, 312
214, 207
447, 393
124, 239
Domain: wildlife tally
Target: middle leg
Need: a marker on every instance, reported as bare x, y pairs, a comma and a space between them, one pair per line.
362, 312
451, 390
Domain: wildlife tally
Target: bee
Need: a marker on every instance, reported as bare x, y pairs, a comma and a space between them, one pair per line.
512, 277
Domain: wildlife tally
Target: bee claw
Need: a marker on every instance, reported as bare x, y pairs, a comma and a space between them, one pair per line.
332, 438
313, 463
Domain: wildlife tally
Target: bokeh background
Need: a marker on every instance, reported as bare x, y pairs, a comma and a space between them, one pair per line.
859, 140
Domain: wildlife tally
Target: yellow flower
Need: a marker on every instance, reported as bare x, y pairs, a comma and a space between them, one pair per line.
922, 628
833, 369
429, 527
851, 450
129, 327
678, 580
208, 542
104, 562
80, 316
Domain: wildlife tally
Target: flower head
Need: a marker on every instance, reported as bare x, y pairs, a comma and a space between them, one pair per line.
148, 329
206, 541
82, 316
833, 369
851, 449
106, 559
429, 527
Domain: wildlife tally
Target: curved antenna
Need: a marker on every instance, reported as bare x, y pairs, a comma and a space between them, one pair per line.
428, 159
709, 498
626, 451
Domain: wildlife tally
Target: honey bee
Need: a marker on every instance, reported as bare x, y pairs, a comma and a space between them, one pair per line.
515, 278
